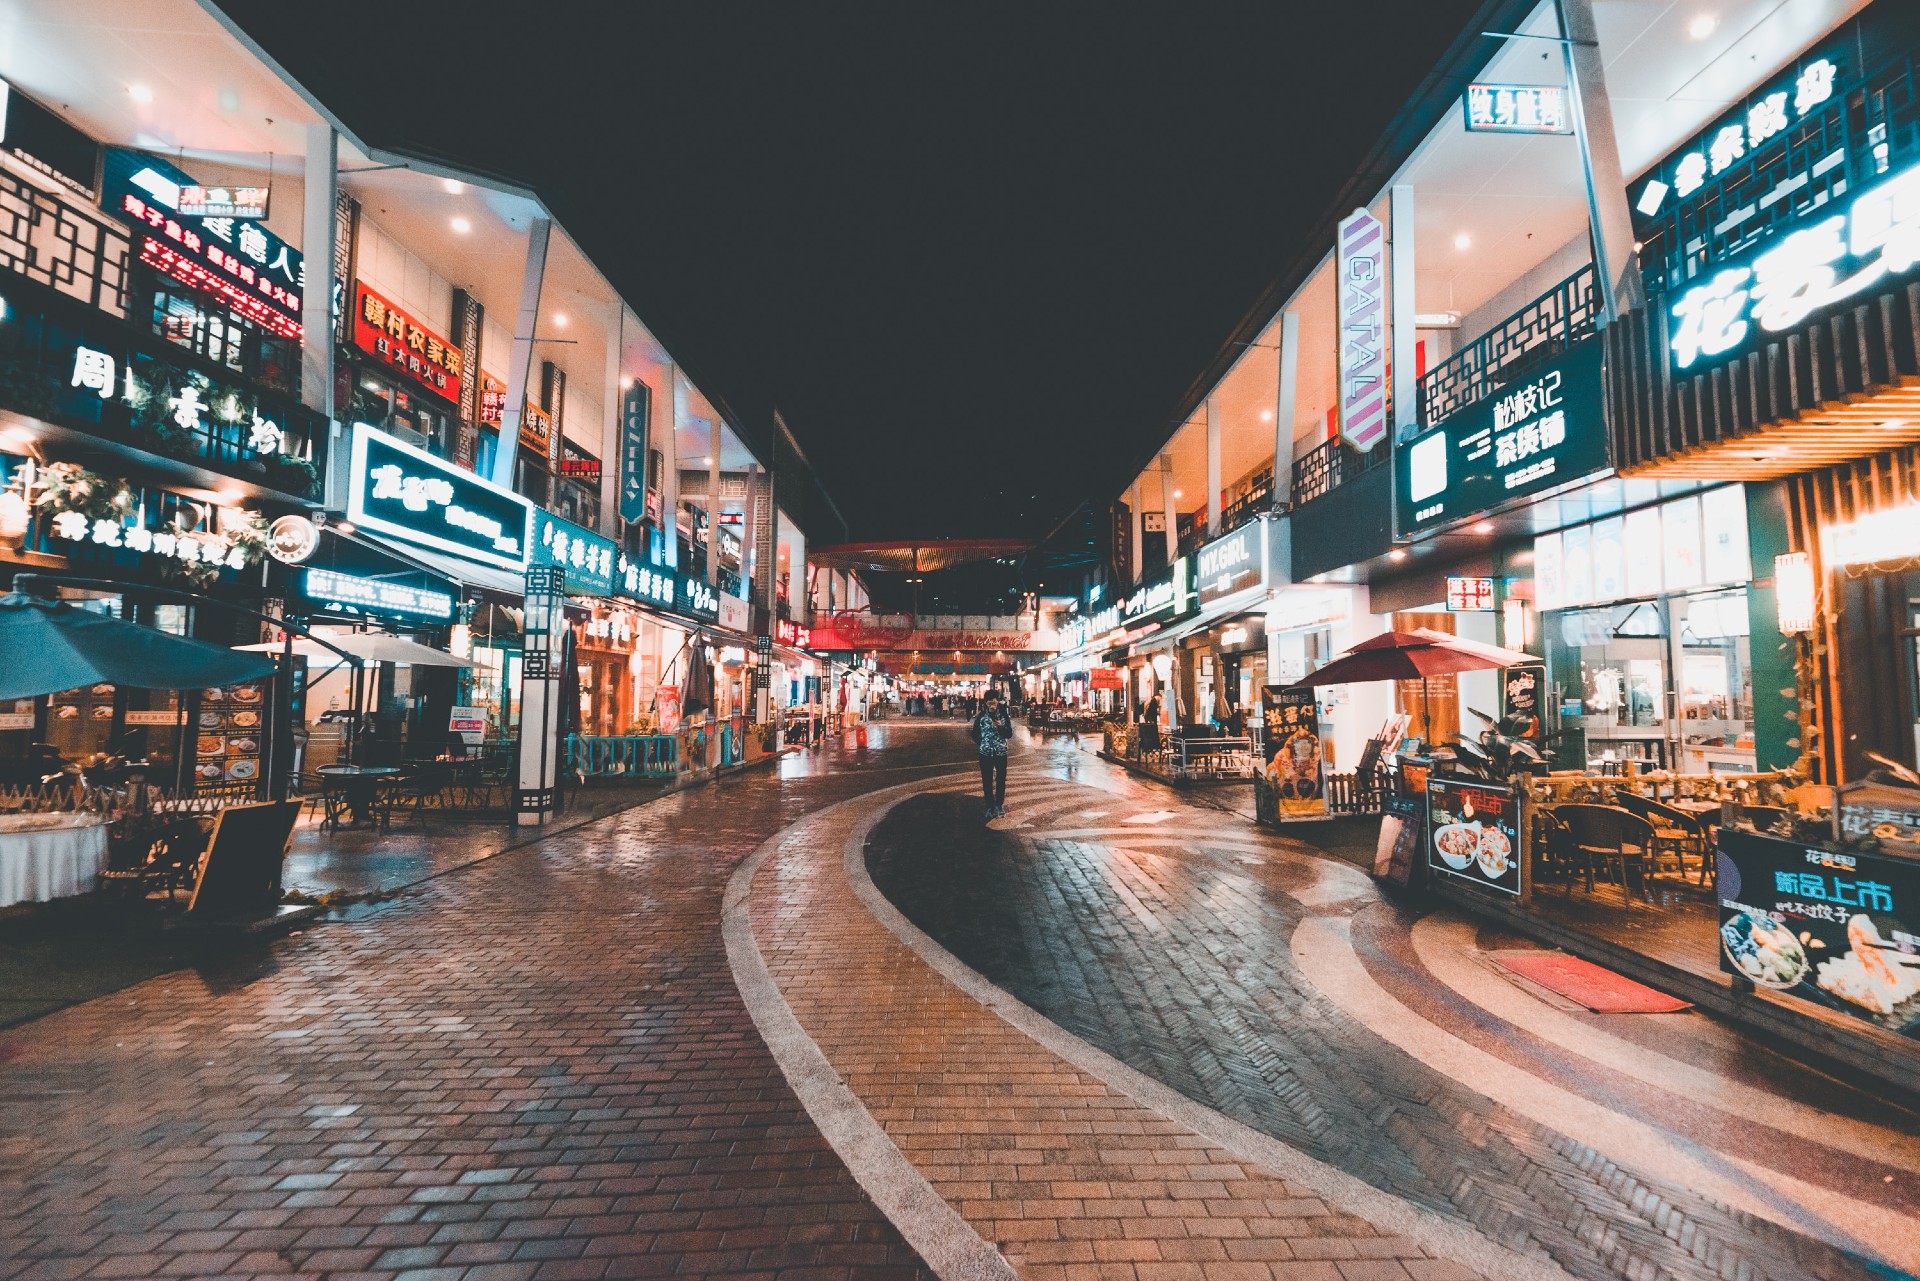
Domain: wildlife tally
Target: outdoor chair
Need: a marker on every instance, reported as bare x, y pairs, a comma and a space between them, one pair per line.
1607, 836
1555, 855
170, 860
1695, 837
1675, 836
425, 788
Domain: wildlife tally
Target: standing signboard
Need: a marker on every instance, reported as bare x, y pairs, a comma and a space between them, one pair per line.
1521, 688
1840, 929
635, 407
1362, 288
1293, 757
1474, 833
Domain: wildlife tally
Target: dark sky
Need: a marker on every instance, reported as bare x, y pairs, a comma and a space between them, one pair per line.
974, 253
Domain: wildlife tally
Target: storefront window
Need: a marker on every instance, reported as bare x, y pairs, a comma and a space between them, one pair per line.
384, 403
188, 319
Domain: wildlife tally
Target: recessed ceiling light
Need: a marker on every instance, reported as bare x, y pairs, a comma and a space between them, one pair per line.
140, 93
1484, 527
560, 319
461, 226
1266, 415
1398, 553
1463, 241
1703, 26
707, 461
1178, 494
453, 185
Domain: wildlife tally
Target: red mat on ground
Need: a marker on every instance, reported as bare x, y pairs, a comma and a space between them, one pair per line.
1601, 991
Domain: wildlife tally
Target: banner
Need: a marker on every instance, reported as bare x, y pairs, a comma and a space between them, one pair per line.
1294, 758
666, 703
1521, 689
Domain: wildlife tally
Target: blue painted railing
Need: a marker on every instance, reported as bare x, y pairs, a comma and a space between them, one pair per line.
624, 755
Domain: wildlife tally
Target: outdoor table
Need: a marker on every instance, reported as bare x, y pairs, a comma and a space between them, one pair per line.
49, 856
361, 783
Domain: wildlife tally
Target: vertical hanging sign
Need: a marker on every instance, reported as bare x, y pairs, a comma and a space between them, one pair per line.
1361, 280
467, 316
553, 396
634, 409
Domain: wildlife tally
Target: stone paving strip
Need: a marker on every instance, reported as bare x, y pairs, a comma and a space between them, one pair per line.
1068, 1175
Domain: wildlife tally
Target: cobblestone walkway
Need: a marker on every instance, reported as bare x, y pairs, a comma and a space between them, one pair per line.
1175, 939
535, 1067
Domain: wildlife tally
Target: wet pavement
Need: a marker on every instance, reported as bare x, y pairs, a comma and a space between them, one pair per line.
693, 1039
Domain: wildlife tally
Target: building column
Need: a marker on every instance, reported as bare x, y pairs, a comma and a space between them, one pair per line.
1405, 394
713, 504
319, 226
1213, 467
1173, 513
611, 412
1136, 499
1616, 263
1286, 405
670, 466
750, 534
520, 363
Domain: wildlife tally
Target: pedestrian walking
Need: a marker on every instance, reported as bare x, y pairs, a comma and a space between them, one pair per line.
991, 731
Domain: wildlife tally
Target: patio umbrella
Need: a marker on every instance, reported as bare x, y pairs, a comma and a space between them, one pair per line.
374, 647
51, 646
1414, 655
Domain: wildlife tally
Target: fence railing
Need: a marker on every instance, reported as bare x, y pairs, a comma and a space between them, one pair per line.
1331, 464
1216, 759
1537, 332
624, 755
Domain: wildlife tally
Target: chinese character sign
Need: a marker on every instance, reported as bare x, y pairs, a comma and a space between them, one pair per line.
1473, 833
1516, 109
1294, 759
1469, 595
389, 334
1362, 288
1838, 928
1806, 91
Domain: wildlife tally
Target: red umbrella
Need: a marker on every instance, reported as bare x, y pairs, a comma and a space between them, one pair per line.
1415, 655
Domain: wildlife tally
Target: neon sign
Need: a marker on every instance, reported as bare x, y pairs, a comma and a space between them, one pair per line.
377, 595
1838, 256
384, 330
1516, 109
1361, 283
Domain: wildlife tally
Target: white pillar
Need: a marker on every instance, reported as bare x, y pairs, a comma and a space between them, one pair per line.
1405, 393
1173, 512
750, 534
1285, 407
520, 363
669, 437
319, 225
1213, 467
713, 504
1616, 263
1137, 498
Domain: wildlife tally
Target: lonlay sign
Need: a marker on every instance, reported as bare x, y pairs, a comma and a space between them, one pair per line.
1361, 281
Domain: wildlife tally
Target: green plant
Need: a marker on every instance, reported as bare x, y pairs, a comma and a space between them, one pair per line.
291, 474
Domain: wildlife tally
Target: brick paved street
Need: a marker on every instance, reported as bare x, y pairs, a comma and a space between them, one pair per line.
536, 1066
542, 1065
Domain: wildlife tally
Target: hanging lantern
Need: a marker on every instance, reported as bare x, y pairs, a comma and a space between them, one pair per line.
1793, 590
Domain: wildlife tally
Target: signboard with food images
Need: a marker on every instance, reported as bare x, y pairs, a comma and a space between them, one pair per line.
1293, 752
1838, 928
232, 726
1475, 832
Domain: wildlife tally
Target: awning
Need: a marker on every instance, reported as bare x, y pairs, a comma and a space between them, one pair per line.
460, 571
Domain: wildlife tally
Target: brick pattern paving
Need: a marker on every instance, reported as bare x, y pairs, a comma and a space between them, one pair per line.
535, 1068
1072, 1180
1177, 962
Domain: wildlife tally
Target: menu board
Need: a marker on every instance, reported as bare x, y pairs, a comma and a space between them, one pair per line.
229, 734
1293, 754
1838, 929
1521, 688
1474, 833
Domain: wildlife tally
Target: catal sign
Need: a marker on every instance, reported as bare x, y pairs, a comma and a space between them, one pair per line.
1362, 283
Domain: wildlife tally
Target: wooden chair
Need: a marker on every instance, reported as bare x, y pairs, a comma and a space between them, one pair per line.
1695, 836
1609, 836
1672, 841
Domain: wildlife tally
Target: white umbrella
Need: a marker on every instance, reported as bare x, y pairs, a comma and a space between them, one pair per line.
375, 647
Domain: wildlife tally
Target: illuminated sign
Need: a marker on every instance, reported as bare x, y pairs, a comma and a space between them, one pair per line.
636, 408
1165, 595
1469, 595
398, 340
577, 464
1893, 534
292, 539
1531, 435
254, 272
586, 556
1232, 563
790, 633
378, 595
1832, 258
1516, 109
493, 399
696, 599
245, 203
645, 583
1361, 280
1741, 132
168, 540
536, 429
408, 494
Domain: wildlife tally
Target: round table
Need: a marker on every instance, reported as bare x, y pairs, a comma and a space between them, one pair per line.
360, 784
49, 856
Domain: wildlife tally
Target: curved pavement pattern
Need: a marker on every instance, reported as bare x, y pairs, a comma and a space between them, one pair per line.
1275, 986
535, 1067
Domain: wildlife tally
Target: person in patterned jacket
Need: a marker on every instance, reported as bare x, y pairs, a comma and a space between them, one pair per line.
992, 730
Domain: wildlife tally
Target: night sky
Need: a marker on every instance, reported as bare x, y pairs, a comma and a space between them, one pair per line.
974, 253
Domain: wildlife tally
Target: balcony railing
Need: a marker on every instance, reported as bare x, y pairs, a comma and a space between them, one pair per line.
1329, 465
1510, 350
69, 247
1255, 499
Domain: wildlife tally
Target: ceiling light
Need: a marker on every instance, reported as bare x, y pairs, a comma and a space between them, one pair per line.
342, 527
16, 438
1484, 527
1703, 26
1178, 494
453, 185
1463, 241
1398, 553
560, 319
140, 93
461, 226
1266, 415
707, 461
230, 497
